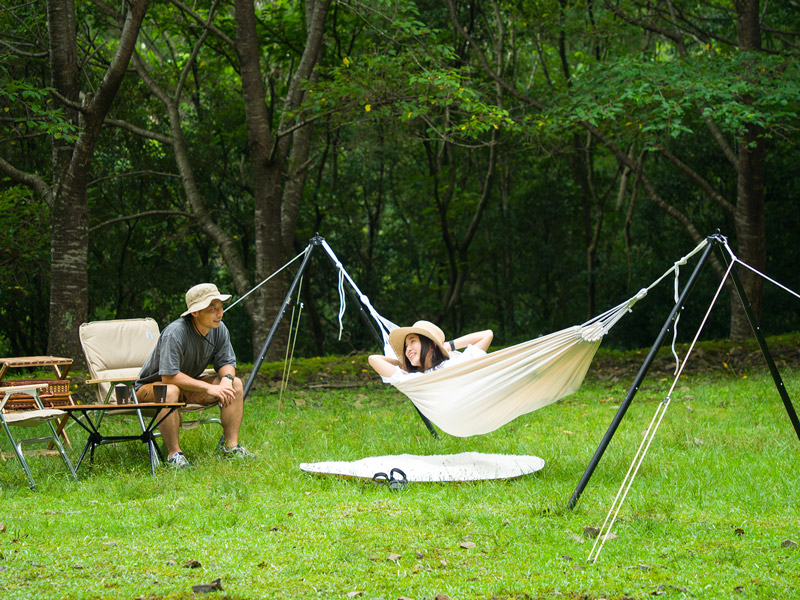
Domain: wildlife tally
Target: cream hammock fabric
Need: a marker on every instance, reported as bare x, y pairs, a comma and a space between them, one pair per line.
485, 393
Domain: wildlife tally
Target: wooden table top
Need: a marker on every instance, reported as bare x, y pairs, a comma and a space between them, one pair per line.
141, 405
35, 361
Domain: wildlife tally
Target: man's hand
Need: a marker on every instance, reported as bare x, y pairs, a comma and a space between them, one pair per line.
223, 392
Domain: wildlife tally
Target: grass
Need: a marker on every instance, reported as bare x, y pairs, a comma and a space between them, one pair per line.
706, 518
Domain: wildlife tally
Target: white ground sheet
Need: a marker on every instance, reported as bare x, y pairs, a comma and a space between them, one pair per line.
466, 466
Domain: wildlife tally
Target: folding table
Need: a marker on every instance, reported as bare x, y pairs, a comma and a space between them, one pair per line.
96, 438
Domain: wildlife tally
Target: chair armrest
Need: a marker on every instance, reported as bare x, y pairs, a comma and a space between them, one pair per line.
8, 391
23, 388
111, 380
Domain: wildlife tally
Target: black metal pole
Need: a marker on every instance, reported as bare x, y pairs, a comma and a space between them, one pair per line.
762, 343
314, 241
640, 376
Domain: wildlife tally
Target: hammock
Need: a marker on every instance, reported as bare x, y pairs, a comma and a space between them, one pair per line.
483, 394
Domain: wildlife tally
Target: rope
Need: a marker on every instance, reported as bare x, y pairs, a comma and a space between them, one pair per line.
294, 326
600, 325
649, 436
268, 278
384, 324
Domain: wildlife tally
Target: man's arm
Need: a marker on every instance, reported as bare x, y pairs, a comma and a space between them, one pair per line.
222, 391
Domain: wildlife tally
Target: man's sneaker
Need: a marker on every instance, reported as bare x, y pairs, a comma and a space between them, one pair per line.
238, 451
178, 461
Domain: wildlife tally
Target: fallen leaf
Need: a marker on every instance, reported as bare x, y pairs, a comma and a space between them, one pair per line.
738, 589
394, 557
468, 545
441, 597
591, 532
739, 531
205, 588
2, 527
788, 544
568, 432
354, 594
192, 563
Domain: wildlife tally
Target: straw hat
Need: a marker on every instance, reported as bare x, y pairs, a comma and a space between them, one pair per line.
397, 337
201, 296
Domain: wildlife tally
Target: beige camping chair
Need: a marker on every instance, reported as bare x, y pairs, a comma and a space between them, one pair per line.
115, 352
31, 417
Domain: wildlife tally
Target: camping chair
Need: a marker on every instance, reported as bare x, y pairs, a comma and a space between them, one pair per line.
115, 352
31, 418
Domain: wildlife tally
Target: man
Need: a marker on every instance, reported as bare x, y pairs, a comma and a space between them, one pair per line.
183, 351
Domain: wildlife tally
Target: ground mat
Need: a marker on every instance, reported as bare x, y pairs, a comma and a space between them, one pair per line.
466, 466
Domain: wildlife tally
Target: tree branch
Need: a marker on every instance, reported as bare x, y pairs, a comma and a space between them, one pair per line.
33, 181
206, 23
697, 179
145, 133
149, 213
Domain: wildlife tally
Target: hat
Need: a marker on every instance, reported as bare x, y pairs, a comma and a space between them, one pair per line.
397, 337
201, 296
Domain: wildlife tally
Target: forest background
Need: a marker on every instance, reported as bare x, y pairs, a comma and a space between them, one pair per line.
519, 165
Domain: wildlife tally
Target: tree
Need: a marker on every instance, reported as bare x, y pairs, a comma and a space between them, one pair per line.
65, 190
697, 67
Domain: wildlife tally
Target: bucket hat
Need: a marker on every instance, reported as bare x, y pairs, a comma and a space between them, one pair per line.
201, 296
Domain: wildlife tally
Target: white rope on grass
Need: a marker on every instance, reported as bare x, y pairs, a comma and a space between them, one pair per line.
649, 436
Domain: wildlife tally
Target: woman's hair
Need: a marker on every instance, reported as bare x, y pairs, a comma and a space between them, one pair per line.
429, 356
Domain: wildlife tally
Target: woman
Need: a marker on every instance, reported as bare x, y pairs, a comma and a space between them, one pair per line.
422, 348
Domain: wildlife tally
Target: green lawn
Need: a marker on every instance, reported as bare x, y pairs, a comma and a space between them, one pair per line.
707, 516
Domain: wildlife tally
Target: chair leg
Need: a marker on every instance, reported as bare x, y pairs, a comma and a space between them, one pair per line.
20, 456
53, 439
61, 450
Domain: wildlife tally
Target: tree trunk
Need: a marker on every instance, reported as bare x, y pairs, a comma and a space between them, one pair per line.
269, 153
69, 212
749, 215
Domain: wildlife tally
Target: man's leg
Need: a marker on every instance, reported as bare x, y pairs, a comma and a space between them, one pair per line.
232, 414
170, 427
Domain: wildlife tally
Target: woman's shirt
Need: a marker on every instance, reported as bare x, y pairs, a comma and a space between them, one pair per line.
456, 358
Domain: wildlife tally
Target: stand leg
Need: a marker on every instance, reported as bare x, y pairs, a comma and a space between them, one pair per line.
640, 376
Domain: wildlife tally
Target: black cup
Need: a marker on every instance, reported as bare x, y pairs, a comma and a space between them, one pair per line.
122, 392
160, 392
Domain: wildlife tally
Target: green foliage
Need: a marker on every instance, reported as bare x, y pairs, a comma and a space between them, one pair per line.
662, 97
23, 272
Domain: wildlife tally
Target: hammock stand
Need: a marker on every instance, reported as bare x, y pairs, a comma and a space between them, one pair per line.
718, 242
380, 327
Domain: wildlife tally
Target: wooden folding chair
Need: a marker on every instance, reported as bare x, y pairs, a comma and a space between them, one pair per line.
31, 417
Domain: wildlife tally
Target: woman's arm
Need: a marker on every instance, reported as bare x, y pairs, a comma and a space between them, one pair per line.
384, 365
479, 339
